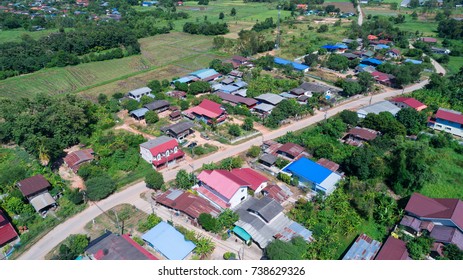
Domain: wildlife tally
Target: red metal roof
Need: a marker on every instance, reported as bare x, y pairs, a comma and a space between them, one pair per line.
7, 232
411, 102
252, 177
172, 156
393, 249
162, 148
207, 108
380, 76
276, 193
214, 198
333, 166
448, 115
33, 185
188, 203
74, 159
372, 37
438, 208
139, 248
222, 181
429, 40
363, 133
291, 149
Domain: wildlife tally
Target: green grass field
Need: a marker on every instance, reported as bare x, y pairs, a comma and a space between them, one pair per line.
454, 65
15, 34
449, 176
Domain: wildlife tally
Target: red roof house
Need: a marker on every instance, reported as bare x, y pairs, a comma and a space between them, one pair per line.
7, 231
206, 111
356, 136
333, 166
256, 181
447, 120
161, 151
75, 159
393, 249
186, 202
33, 185
383, 78
290, 150
222, 188
408, 102
429, 40
443, 211
372, 37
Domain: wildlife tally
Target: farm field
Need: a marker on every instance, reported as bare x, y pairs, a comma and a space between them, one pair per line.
158, 58
16, 34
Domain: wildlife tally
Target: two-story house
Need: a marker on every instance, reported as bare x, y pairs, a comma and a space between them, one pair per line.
222, 188
139, 92
447, 120
161, 152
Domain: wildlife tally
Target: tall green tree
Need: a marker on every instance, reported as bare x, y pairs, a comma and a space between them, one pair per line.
413, 120
154, 180
184, 180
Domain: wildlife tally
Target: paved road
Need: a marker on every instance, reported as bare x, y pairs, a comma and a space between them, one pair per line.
360, 18
131, 194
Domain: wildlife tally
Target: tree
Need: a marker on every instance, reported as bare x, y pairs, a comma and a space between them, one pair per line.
145, 100
365, 80
292, 250
221, 15
73, 246
350, 88
452, 252
100, 187
233, 12
234, 130
154, 180
323, 28
151, 117
155, 86
414, 15
228, 218
419, 247
199, 87
221, 67
414, 4
337, 62
349, 117
413, 120
204, 246
253, 152
311, 59
208, 222
75, 196
102, 99
151, 221
248, 124
184, 180
130, 104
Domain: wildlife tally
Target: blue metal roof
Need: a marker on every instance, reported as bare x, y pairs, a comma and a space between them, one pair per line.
371, 61
341, 46
168, 241
413, 61
185, 79
308, 170
382, 46
229, 88
139, 112
204, 73
302, 231
296, 66
330, 47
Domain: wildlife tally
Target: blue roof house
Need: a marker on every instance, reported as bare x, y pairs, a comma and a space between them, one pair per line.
313, 175
166, 240
204, 74
296, 66
414, 61
371, 62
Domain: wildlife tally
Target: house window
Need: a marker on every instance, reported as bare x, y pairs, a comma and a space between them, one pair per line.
438, 125
159, 157
175, 149
167, 153
448, 128
242, 198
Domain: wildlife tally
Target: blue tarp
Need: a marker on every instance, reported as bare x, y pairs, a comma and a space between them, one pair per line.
168, 241
309, 170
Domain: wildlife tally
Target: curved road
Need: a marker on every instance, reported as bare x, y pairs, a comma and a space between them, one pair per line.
360, 18
131, 195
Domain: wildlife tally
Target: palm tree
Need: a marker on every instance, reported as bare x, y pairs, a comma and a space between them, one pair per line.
204, 246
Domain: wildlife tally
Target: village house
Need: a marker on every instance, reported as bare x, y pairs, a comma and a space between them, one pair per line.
206, 111
75, 159
139, 92
393, 249
138, 114
162, 152
428, 40
376, 108
290, 150
179, 130
256, 181
263, 221
175, 115
278, 193
110, 246
440, 50
312, 175
237, 100
189, 204
35, 190
269, 98
296, 66
357, 136
408, 102
158, 106
447, 120
238, 61
393, 53
7, 232
364, 248
177, 94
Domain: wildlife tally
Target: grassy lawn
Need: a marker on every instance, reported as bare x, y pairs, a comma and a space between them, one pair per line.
14, 35
429, 28
128, 216
454, 65
449, 176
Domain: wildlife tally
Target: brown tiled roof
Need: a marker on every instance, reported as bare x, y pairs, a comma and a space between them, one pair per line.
393, 249
363, 133
333, 166
33, 185
187, 203
75, 159
437, 208
291, 149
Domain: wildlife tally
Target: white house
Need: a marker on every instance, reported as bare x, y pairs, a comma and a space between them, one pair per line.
161, 152
139, 92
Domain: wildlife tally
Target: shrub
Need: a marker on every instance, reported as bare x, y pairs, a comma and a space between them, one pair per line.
154, 180
151, 221
253, 152
138, 240
229, 255
100, 187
